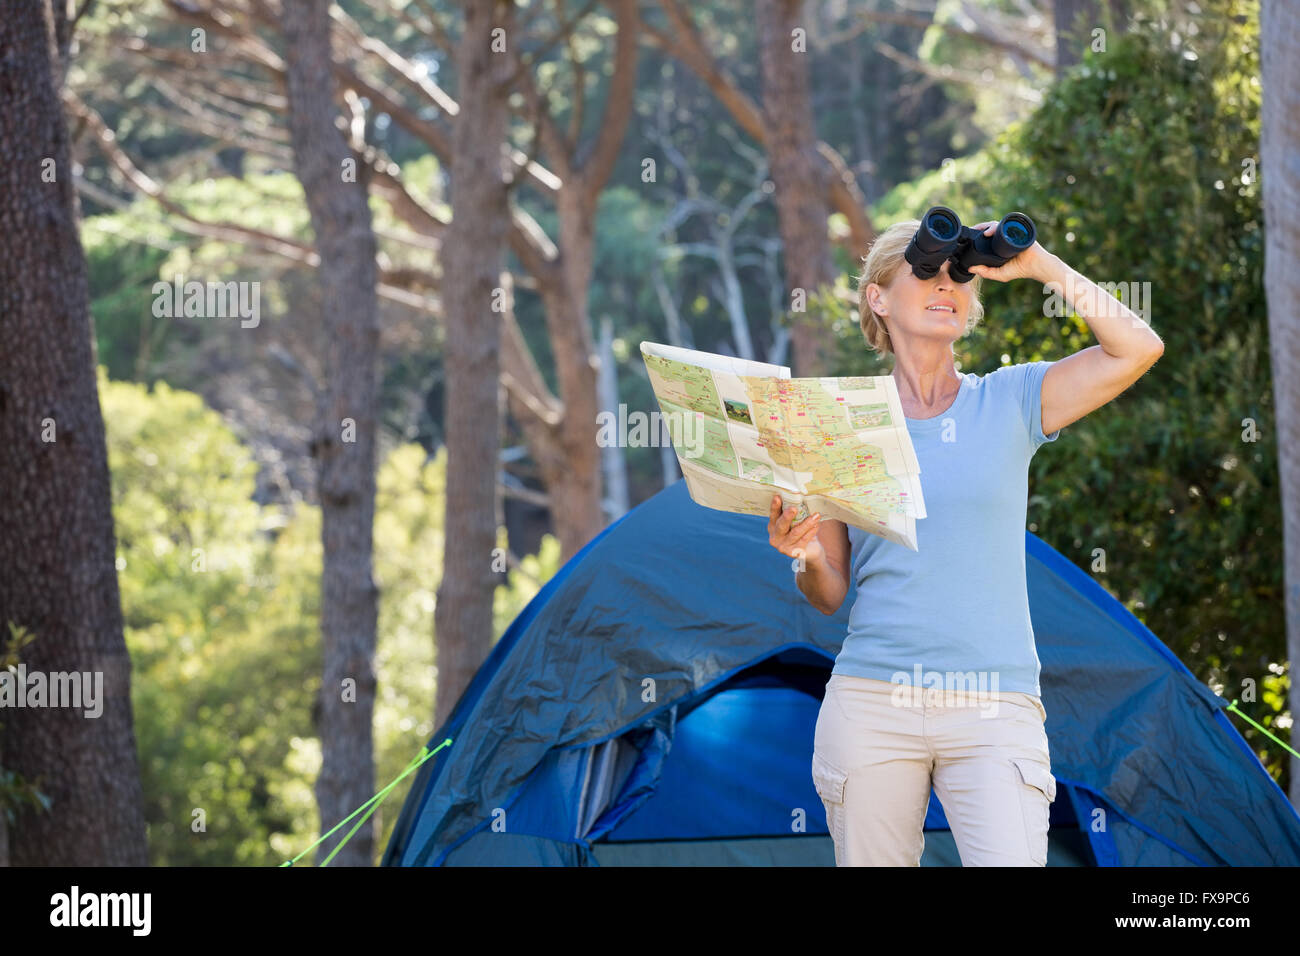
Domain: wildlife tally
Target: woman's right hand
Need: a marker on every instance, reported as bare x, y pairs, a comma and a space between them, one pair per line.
799, 541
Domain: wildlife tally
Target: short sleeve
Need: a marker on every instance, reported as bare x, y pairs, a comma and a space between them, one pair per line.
1031, 403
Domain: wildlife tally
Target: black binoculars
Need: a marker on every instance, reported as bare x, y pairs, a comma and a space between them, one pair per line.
941, 236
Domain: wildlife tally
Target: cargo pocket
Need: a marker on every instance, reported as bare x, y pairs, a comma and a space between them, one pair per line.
1037, 791
829, 781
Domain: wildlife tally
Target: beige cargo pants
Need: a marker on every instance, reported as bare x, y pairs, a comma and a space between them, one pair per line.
879, 747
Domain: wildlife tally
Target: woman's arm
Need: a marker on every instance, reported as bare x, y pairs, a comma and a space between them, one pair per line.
1088, 379
820, 549
825, 582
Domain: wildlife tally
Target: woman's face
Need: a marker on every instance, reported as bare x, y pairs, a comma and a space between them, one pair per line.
934, 308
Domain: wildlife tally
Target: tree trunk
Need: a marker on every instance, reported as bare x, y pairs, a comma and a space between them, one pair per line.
800, 189
344, 441
571, 472
1280, 145
472, 260
57, 549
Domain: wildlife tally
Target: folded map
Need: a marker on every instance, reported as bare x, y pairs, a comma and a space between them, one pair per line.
744, 431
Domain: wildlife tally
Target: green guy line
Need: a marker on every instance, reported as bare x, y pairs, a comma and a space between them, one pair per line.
373, 803
1233, 707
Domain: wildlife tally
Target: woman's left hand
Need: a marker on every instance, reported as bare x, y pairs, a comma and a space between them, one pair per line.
1026, 265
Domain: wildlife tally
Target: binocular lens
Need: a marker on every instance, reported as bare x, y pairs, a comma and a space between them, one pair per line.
1016, 233
942, 225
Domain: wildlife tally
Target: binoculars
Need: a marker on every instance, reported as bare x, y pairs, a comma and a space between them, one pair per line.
941, 236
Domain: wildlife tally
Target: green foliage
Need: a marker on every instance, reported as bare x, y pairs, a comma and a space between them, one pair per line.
1136, 169
221, 602
220, 623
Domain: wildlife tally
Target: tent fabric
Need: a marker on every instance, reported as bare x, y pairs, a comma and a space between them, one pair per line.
655, 703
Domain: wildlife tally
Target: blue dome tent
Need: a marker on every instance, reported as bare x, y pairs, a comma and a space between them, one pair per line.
655, 704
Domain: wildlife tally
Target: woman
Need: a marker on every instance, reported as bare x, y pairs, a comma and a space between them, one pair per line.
937, 680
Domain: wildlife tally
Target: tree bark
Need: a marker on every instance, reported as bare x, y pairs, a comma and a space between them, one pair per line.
800, 188
1279, 146
57, 548
570, 469
472, 297
344, 441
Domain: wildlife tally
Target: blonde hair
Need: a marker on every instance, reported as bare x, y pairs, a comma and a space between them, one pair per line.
881, 265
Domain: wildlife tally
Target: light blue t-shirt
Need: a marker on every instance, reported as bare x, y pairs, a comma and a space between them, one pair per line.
959, 604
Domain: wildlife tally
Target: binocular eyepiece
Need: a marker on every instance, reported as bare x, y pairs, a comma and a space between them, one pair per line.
941, 237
